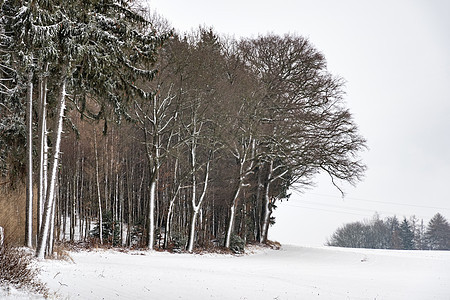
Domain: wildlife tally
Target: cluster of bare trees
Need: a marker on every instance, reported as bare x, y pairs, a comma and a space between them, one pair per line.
229, 127
194, 154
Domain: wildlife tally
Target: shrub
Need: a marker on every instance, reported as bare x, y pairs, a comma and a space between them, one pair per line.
108, 225
179, 241
237, 244
16, 269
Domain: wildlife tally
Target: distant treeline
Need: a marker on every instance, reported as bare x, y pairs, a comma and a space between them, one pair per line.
390, 233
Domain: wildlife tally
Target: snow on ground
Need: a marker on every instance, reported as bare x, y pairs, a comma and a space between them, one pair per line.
13, 293
290, 273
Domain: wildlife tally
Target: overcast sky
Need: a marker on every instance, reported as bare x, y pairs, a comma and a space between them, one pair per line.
395, 58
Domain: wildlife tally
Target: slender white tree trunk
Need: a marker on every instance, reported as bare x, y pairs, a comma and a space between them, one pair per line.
2, 234
230, 226
194, 192
192, 230
171, 205
258, 207
100, 213
196, 207
267, 213
267, 208
47, 214
154, 180
168, 218
29, 165
151, 215
42, 189
243, 172
52, 231
232, 216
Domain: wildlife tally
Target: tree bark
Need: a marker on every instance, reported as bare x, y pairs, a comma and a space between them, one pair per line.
232, 215
100, 213
52, 230
43, 159
171, 205
196, 207
43, 234
267, 213
29, 164
243, 172
151, 215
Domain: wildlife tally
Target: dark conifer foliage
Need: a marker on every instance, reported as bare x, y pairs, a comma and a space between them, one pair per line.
80, 49
406, 235
438, 233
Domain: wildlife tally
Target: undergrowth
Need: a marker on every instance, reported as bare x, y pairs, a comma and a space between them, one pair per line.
17, 270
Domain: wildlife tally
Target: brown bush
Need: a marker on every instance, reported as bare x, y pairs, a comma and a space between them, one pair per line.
16, 269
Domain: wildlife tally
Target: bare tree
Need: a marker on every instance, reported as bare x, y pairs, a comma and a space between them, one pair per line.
307, 128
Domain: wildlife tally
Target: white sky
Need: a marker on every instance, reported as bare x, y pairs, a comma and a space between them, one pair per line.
395, 57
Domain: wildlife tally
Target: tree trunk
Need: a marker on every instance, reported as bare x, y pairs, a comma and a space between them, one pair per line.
171, 205
2, 235
196, 207
243, 172
43, 234
43, 160
267, 213
232, 215
267, 207
192, 230
100, 213
168, 222
29, 164
52, 230
151, 215
258, 204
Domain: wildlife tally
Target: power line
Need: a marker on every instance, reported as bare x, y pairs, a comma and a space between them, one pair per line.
327, 210
376, 201
350, 213
343, 207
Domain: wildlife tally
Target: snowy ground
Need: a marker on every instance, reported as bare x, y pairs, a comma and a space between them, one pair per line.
290, 273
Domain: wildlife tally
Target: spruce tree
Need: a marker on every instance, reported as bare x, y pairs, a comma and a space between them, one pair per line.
406, 235
438, 233
27, 25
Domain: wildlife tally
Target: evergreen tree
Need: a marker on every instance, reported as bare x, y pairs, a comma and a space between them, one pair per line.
406, 235
28, 27
420, 242
12, 110
395, 241
438, 233
380, 233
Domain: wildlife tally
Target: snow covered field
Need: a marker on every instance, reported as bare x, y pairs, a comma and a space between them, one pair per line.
290, 273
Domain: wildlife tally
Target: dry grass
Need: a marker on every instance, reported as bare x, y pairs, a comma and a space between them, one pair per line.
273, 245
12, 213
61, 252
